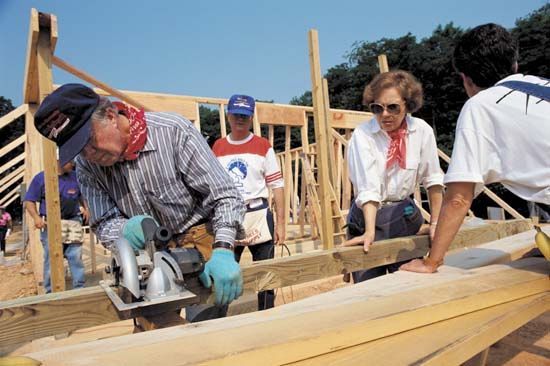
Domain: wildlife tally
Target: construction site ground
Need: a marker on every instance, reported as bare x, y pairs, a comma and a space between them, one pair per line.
528, 345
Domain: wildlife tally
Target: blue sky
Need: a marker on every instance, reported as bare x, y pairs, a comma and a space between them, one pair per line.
217, 48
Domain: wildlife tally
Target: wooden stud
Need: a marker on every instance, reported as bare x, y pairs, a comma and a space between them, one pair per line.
321, 138
57, 272
223, 127
383, 63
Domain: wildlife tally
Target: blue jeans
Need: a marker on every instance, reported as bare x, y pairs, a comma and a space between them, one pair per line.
73, 253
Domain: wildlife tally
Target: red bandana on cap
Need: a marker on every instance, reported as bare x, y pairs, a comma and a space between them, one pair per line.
397, 152
138, 129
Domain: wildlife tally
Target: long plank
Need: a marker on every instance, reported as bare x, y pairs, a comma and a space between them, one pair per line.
30, 318
449, 342
317, 325
306, 267
49, 153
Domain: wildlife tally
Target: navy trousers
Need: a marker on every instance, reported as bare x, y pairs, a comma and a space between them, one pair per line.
391, 222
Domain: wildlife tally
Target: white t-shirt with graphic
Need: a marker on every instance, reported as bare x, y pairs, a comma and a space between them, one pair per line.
504, 136
252, 165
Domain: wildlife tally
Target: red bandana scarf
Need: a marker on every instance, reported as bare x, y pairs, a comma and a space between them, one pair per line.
138, 129
397, 152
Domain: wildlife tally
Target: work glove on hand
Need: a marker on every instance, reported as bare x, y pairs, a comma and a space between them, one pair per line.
227, 276
133, 232
8, 233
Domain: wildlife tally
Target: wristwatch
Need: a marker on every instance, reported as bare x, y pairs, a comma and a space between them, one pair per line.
224, 245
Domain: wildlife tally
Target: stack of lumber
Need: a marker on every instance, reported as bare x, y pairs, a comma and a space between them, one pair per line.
399, 319
23, 320
403, 318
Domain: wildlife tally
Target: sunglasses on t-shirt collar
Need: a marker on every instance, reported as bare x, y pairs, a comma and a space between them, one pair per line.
392, 108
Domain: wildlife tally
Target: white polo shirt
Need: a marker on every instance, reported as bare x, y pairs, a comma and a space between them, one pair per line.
367, 155
504, 138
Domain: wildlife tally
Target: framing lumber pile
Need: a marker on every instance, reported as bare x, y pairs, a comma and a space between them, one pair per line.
377, 315
34, 317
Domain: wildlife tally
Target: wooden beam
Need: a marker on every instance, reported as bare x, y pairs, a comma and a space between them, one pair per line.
281, 272
90, 79
223, 127
339, 319
13, 115
30, 318
30, 84
321, 138
12, 162
49, 151
12, 181
383, 63
12, 145
449, 342
274, 115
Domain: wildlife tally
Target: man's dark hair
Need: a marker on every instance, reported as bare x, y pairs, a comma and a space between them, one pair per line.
486, 53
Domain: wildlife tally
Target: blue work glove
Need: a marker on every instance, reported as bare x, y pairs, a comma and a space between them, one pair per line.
408, 211
227, 276
133, 232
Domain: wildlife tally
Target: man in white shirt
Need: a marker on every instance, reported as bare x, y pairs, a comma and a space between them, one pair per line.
502, 133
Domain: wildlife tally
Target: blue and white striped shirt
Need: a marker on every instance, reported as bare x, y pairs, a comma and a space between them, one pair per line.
176, 179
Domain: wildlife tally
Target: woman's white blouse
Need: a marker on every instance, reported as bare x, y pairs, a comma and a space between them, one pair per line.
367, 153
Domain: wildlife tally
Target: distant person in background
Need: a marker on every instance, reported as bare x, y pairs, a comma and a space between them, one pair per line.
388, 156
251, 163
71, 225
502, 133
5, 228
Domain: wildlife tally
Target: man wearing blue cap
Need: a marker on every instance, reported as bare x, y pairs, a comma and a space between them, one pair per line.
251, 162
131, 164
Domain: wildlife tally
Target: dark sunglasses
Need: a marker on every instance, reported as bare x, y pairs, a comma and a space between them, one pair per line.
378, 108
241, 116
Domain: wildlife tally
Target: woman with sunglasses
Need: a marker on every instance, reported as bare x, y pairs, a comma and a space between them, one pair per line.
388, 156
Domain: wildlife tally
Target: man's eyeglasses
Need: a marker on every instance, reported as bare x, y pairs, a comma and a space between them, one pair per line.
377, 108
241, 116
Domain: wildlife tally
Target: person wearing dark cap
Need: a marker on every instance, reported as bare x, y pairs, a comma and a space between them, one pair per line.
131, 164
251, 163
502, 133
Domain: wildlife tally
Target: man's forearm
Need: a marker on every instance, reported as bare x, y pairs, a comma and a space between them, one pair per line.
456, 203
31, 209
279, 195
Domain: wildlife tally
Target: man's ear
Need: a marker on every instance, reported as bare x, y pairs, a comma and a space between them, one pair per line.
469, 86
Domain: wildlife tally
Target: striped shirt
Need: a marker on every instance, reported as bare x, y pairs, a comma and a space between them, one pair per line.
176, 179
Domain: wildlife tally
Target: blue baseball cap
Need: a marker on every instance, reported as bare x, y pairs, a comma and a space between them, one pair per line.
241, 104
64, 117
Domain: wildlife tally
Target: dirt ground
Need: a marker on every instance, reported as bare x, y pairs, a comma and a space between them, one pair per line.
527, 346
